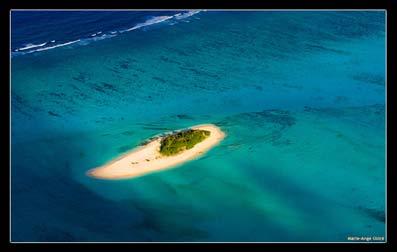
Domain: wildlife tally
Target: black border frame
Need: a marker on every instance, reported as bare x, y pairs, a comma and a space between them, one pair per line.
389, 5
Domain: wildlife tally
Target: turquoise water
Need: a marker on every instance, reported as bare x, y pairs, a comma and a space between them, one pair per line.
300, 95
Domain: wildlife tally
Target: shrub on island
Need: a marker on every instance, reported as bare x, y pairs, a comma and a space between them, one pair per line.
183, 140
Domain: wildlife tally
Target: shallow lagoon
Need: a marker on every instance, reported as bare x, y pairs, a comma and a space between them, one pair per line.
300, 95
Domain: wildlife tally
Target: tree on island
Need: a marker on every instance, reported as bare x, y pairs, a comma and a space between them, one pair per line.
183, 140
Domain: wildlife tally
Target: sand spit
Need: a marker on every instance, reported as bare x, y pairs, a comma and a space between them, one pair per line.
147, 158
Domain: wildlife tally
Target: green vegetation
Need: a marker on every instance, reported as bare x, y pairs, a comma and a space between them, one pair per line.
183, 140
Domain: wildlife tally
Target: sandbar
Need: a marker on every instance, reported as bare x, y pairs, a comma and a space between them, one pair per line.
147, 158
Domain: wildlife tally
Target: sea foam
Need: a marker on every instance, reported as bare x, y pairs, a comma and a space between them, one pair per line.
31, 48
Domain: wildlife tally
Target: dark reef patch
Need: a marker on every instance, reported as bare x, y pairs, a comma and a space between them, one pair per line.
377, 214
184, 117
124, 64
58, 95
53, 114
19, 105
327, 49
109, 86
75, 87
274, 116
374, 113
370, 78
270, 123
168, 60
81, 77
128, 133
98, 88
159, 79
200, 72
177, 51
114, 70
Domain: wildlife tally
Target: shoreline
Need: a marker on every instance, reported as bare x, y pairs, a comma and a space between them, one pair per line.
147, 159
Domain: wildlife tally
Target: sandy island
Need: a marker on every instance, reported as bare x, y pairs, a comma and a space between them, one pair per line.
147, 159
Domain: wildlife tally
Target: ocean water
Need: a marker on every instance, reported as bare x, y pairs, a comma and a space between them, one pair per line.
300, 95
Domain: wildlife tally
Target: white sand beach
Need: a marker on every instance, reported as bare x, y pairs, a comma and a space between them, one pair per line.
147, 159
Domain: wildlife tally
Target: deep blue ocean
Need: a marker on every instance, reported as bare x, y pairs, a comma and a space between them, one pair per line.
300, 95
34, 31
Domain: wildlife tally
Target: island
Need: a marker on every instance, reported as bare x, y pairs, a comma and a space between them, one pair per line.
163, 152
